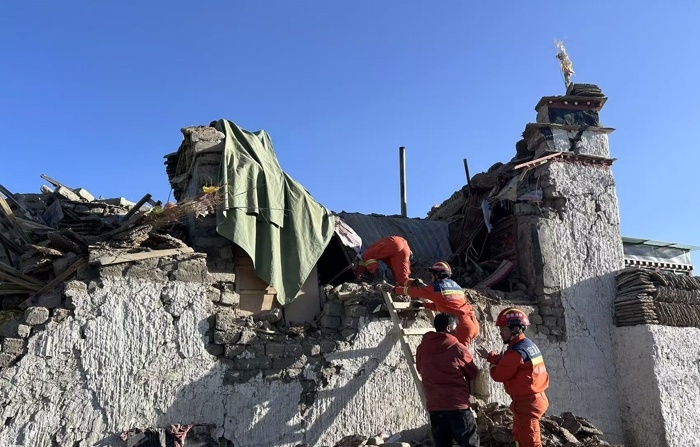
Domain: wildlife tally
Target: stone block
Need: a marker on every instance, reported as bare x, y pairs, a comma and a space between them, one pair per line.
215, 350
232, 377
550, 321
312, 349
14, 346
257, 350
61, 264
47, 300
289, 362
230, 298
333, 309
224, 338
535, 319
294, 374
226, 252
327, 346
84, 194
9, 328
275, 349
556, 331
226, 321
351, 323
348, 335
214, 294
233, 351
7, 359
331, 322
544, 330
60, 314
24, 331
293, 350
247, 337
193, 270
36, 315
356, 311
248, 364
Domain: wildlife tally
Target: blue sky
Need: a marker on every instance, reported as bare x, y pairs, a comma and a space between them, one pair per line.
94, 94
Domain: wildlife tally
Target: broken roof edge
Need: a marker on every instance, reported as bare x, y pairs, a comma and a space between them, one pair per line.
660, 244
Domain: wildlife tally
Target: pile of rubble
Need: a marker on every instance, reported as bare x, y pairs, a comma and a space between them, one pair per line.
495, 423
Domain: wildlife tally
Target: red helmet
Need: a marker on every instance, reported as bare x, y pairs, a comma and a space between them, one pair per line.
441, 268
512, 317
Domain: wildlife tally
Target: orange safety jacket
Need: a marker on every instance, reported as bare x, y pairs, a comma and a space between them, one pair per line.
393, 251
521, 368
448, 297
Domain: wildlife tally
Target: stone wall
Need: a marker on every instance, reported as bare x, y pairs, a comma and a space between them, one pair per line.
139, 350
659, 384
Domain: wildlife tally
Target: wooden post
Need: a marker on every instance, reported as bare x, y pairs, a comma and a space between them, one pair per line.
402, 170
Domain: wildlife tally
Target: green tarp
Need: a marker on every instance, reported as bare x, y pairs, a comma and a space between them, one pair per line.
268, 214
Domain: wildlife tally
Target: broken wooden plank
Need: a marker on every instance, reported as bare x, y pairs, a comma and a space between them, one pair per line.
129, 257
8, 244
7, 213
136, 207
416, 331
497, 276
20, 282
12, 271
62, 277
12, 199
55, 183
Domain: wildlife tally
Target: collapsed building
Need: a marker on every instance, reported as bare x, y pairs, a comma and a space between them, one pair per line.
227, 318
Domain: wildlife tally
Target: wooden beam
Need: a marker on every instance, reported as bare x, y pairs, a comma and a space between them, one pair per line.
10, 217
129, 257
14, 280
62, 277
136, 207
12, 271
55, 183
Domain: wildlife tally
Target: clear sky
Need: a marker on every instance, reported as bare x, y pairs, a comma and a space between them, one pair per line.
94, 93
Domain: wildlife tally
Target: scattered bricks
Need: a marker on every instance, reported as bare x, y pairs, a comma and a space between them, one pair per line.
215, 350
550, 321
247, 337
330, 322
13, 346
214, 294
256, 350
24, 331
289, 362
225, 338
332, 309
233, 351
6, 359
230, 298
226, 252
60, 314
535, 319
275, 350
327, 346
84, 194
36, 315
356, 311
225, 321
248, 364
272, 315
293, 350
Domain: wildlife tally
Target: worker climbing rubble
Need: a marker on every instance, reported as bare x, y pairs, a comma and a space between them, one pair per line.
394, 252
524, 376
445, 366
442, 295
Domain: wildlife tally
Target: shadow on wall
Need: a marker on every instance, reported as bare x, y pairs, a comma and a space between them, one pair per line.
265, 411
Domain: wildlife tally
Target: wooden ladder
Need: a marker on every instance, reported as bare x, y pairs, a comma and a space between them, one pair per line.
402, 333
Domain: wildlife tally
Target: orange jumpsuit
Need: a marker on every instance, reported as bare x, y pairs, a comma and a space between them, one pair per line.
447, 296
524, 376
393, 251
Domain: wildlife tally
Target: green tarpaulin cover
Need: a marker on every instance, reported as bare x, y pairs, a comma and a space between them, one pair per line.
268, 214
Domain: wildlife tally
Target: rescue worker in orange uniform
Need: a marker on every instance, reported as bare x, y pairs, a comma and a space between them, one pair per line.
524, 376
443, 295
394, 252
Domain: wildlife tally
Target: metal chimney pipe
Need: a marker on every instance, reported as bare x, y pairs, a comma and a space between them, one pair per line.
402, 170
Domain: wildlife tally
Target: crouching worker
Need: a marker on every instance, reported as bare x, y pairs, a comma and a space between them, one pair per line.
446, 366
394, 252
524, 376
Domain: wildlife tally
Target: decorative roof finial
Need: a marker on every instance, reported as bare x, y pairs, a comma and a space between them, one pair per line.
567, 68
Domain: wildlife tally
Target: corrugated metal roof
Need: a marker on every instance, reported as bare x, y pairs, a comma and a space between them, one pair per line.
429, 239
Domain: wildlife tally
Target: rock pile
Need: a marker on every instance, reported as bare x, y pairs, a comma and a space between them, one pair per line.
645, 296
